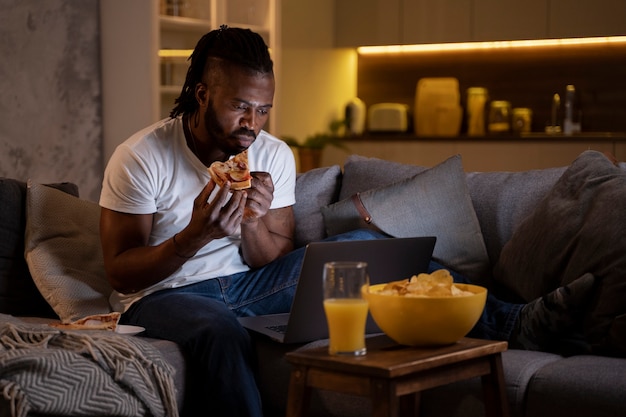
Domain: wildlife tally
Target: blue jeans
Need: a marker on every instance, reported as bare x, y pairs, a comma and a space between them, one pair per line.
498, 318
202, 319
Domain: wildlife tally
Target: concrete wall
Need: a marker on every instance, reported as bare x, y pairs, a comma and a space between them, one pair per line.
50, 95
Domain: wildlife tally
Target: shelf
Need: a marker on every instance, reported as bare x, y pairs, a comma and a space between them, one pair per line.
171, 89
186, 24
201, 26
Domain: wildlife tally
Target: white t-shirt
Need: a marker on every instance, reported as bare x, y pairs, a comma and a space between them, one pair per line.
154, 171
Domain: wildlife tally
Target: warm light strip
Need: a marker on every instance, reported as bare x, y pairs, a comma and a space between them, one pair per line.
468, 46
175, 53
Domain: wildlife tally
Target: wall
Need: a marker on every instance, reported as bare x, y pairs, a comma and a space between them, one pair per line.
50, 116
316, 79
50, 121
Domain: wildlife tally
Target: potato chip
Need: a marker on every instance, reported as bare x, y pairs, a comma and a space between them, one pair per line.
439, 283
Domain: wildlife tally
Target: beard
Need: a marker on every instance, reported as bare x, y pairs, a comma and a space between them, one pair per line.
227, 142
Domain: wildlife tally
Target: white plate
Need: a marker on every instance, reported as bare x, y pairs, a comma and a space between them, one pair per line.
128, 330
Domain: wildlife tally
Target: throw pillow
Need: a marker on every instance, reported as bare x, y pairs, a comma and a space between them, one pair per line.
579, 227
314, 189
435, 202
361, 174
63, 252
18, 294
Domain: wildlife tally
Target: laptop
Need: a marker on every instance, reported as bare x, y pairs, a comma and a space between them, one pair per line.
390, 259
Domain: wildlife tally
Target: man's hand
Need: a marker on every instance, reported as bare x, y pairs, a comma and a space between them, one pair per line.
217, 218
259, 197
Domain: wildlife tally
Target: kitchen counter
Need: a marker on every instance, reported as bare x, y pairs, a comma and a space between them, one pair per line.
397, 136
484, 153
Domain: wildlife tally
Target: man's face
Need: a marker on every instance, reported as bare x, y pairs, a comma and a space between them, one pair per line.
238, 108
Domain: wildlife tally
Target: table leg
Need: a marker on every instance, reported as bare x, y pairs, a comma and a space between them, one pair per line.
299, 395
384, 401
494, 389
410, 404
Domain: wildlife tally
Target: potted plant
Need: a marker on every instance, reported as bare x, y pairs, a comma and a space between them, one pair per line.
310, 151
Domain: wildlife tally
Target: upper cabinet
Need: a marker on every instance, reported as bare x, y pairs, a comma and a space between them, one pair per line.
425, 21
569, 18
145, 45
495, 20
385, 22
367, 22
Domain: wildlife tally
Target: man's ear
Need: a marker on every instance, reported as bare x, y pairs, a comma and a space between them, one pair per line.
202, 94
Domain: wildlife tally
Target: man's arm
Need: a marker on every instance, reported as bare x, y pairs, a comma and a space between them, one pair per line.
265, 234
131, 265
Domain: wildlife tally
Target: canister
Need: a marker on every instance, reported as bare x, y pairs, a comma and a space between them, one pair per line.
476, 101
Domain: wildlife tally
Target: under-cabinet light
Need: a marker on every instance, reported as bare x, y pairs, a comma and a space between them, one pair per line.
440, 47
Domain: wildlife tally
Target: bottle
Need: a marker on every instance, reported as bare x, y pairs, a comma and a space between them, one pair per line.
554, 127
571, 123
476, 100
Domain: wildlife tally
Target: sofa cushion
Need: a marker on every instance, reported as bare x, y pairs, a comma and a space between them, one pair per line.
579, 386
63, 252
580, 227
18, 294
435, 202
465, 398
314, 189
502, 200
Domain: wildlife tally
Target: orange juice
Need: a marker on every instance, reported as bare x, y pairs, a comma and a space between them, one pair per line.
346, 325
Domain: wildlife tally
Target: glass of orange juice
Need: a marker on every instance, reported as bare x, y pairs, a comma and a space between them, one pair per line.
345, 307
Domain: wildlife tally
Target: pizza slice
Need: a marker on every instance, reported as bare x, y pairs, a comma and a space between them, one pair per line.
236, 171
94, 322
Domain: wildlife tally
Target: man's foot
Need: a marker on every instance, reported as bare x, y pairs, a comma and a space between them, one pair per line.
552, 323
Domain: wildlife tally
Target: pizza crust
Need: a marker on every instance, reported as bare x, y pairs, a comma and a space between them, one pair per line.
93, 322
235, 170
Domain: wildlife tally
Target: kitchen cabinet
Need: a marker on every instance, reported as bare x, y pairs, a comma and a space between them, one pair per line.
509, 19
587, 18
427, 21
142, 72
388, 22
367, 22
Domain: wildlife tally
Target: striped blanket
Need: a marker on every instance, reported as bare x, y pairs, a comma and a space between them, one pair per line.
46, 371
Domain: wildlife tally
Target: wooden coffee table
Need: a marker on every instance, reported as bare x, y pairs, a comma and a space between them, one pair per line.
394, 375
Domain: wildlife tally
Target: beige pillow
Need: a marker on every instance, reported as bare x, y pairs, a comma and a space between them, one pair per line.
63, 252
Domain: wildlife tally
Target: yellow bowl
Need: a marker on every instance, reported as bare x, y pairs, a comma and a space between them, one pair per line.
426, 321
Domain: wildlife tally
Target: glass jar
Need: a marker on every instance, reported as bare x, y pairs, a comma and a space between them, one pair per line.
500, 116
522, 119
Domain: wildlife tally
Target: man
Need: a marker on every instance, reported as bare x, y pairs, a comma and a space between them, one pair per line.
186, 257
163, 241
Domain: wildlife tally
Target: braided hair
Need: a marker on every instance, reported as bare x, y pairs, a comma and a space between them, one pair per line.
215, 50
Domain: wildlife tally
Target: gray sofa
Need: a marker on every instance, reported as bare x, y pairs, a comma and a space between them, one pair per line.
497, 212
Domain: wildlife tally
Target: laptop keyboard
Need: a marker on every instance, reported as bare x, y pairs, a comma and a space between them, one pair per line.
281, 328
